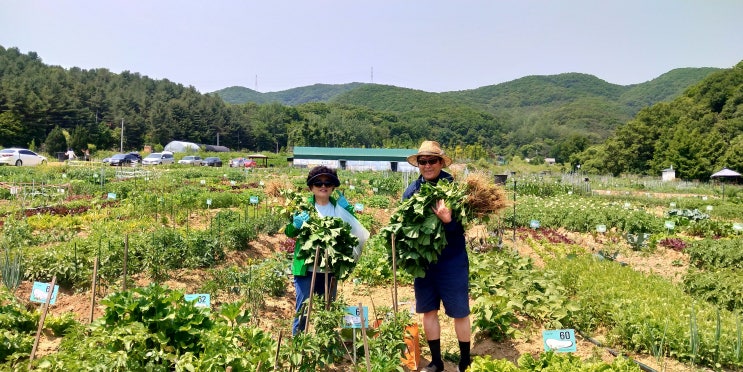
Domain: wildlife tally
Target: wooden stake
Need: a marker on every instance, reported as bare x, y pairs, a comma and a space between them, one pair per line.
278, 347
312, 290
394, 276
45, 309
93, 289
126, 255
363, 334
327, 282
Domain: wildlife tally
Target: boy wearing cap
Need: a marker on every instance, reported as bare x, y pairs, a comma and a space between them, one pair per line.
447, 280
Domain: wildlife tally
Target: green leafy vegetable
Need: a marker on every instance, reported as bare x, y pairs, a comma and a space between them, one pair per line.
330, 234
333, 236
418, 233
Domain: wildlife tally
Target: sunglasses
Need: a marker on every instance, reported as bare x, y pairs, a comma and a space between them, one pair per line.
431, 161
323, 183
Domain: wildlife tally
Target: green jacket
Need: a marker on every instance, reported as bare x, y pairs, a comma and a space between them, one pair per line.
298, 266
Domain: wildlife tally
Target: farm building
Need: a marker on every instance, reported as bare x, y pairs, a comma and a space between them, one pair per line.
353, 158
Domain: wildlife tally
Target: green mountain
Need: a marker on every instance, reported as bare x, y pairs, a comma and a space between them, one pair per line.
291, 97
527, 94
697, 133
564, 104
560, 116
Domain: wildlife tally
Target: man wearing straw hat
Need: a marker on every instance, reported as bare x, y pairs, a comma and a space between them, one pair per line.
447, 280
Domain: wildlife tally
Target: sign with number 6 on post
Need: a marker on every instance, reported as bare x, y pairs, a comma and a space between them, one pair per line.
352, 319
40, 292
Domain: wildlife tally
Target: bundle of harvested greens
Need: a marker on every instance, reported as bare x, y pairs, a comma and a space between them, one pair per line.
331, 234
419, 234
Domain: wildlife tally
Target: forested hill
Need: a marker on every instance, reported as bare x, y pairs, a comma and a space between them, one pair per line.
291, 97
546, 107
697, 133
50, 108
527, 92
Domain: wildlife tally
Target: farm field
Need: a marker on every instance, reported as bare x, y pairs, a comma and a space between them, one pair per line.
649, 270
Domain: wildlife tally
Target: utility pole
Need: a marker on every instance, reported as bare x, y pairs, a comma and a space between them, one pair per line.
122, 136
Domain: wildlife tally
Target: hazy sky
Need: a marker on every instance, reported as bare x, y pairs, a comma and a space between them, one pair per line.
431, 45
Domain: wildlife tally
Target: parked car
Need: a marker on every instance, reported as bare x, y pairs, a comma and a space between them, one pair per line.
242, 163
212, 161
190, 160
159, 158
131, 159
18, 157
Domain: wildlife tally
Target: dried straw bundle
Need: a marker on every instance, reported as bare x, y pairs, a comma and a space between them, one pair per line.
273, 187
484, 197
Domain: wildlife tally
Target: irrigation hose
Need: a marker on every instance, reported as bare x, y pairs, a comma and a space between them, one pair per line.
615, 353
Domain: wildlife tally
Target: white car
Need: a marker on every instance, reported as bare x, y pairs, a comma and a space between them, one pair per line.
190, 160
158, 158
19, 157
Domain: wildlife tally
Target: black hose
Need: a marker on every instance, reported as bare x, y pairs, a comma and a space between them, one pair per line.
615, 353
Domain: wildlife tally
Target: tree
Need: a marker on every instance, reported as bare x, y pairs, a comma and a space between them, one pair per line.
10, 128
55, 141
733, 157
79, 139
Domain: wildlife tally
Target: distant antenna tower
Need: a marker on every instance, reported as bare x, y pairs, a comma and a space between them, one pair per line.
256, 81
372, 74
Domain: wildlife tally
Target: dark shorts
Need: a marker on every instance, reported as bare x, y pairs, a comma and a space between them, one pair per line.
446, 282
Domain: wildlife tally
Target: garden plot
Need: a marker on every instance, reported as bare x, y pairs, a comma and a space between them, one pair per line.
166, 217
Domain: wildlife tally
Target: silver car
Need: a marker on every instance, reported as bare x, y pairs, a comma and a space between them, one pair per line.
19, 157
190, 160
158, 158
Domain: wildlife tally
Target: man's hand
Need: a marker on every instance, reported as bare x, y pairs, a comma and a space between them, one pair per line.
442, 211
300, 219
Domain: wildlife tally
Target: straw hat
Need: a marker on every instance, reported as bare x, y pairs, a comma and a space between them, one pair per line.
429, 148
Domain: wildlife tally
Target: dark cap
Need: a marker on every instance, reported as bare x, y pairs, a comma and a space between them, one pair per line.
322, 170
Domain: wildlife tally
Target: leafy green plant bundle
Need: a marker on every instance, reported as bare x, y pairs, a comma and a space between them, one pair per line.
331, 234
418, 233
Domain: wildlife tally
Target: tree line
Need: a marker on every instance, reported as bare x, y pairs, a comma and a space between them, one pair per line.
41, 104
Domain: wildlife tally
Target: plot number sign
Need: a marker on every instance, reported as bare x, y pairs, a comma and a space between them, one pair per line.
352, 319
559, 340
199, 300
40, 292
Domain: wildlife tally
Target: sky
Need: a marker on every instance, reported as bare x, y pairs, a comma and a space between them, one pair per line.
429, 45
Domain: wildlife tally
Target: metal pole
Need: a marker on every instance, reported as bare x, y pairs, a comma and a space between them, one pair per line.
121, 149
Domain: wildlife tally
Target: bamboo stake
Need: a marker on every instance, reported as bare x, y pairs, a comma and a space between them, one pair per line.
45, 309
363, 334
93, 289
278, 347
312, 290
126, 255
327, 282
394, 276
